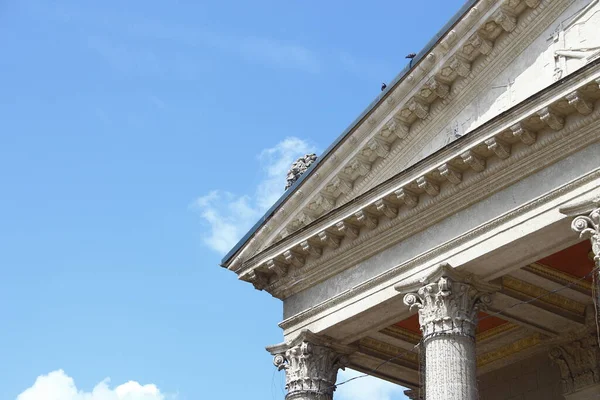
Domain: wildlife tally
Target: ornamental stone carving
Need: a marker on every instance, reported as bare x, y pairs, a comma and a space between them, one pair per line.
311, 365
579, 363
587, 224
448, 302
298, 168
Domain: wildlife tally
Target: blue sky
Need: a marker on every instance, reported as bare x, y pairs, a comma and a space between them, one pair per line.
138, 141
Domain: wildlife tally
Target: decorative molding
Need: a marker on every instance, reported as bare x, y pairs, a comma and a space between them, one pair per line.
277, 267
311, 249
386, 208
294, 259
402, 334
509, 350
329, 239
559, 277
409, 198
523, 134
498, 330
430, 187
580, 103
511, 285
551, 118
498, 146
452, 174
347, 229
366, 219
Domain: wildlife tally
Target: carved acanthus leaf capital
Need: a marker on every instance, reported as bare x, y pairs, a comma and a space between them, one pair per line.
579, 363
448, 302
311, 365
586, 222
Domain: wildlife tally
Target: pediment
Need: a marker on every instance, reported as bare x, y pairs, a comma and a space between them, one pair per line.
496, 55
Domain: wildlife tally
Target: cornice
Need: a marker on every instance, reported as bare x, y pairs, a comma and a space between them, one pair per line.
478, 167
393, 273
464, 91
452, 68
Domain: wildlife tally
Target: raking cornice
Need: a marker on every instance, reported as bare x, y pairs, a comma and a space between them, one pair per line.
417, 101
531, 143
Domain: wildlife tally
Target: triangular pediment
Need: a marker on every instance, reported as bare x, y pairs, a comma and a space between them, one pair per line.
496, 55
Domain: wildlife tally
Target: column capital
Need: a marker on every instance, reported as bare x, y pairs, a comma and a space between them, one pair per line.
579, 363
311, 364
586, 221
448, 301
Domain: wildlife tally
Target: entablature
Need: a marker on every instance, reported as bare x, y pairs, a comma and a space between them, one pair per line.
524, 139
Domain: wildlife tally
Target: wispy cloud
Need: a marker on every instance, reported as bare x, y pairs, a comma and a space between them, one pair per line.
59, 386
228, 216
367, 388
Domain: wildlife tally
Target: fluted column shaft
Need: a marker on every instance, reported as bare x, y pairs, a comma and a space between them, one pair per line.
450, 370
448, 304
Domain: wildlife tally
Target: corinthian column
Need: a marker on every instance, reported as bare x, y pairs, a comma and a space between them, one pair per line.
587, 224
311, 364
448, 304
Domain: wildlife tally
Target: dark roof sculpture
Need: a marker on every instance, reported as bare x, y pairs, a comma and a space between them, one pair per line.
298, 168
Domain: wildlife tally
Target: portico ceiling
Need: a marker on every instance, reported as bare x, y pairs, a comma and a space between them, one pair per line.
539, 306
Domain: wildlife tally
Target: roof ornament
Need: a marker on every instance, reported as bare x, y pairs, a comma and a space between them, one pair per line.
298, 168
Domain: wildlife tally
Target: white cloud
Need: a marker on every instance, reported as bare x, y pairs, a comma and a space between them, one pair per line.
367, 388
228, 216
59, 386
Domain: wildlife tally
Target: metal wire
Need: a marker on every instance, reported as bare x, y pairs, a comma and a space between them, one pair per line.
407, 352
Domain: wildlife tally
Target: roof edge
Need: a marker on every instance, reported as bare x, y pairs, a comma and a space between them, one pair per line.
401, 75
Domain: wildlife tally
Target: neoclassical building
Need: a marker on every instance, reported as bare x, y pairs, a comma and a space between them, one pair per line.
448, 240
